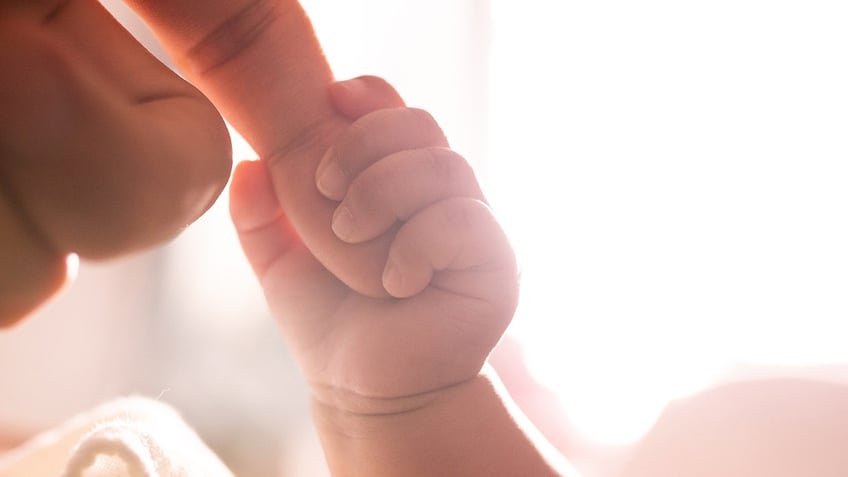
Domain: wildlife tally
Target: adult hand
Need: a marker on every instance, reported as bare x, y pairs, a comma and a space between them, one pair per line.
261, 65
257, 60
103, 150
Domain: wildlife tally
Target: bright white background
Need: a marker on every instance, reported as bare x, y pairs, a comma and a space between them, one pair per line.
675, 177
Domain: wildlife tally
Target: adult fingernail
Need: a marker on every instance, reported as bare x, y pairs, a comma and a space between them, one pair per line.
342, 222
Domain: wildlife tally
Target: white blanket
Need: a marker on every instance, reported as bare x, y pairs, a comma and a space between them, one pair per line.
132, 437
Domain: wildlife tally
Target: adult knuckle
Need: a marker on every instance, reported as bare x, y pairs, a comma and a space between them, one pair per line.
233, 36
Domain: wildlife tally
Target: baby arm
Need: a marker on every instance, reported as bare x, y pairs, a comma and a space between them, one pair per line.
400, 384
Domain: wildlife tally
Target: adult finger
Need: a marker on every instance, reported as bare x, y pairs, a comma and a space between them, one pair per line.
258, 60
260, 63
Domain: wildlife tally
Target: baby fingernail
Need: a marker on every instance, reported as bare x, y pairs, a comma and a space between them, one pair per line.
392, 279
331, 181
353, 86
342, 222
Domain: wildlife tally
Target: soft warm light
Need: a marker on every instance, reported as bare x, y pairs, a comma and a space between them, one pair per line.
674, 177
72, 266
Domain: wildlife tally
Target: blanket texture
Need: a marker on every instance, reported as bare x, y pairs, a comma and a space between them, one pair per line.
133, 437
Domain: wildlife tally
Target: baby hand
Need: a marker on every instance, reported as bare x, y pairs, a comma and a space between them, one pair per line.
450, 270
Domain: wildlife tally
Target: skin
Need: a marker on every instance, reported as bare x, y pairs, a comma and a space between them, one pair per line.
104, 150
393, 379
392, 281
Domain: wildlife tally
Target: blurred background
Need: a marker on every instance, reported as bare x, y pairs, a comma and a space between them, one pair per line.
673, 176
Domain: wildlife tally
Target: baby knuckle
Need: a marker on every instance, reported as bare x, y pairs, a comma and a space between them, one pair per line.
449, 169
439, 164
358, 139
366, 194
462, 170
426, 123
459, 214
